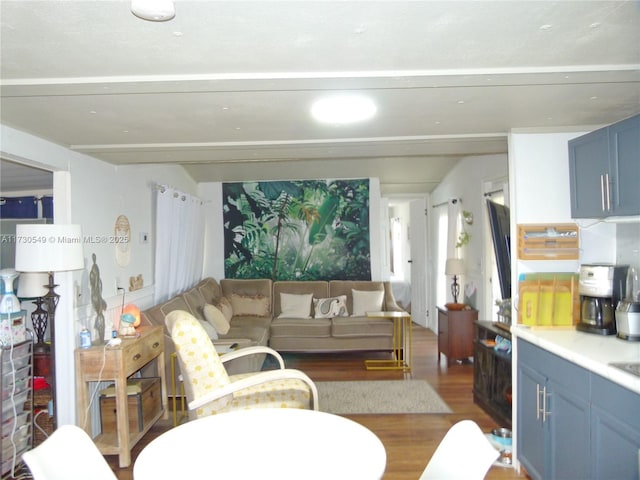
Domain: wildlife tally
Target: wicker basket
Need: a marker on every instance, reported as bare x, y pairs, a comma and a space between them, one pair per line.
42, 420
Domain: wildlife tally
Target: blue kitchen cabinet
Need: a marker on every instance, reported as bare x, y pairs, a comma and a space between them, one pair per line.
553, 415
615, 430
604, 171
624, 145
588, 162
530, 427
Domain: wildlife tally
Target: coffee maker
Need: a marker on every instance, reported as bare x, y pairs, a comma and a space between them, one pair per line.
601, 287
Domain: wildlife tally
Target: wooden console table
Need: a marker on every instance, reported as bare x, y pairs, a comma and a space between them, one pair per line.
105, 363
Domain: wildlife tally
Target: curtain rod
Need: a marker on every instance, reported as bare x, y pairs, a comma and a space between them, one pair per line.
488, 194
179, 194
453, 201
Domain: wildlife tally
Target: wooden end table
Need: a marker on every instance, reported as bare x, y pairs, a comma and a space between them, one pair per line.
104, 363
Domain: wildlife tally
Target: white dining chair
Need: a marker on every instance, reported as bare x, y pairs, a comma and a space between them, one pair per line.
464, 453
68, 454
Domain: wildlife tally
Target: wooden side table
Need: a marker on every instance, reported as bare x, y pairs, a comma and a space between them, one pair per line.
104, 363
455, 333
402, 340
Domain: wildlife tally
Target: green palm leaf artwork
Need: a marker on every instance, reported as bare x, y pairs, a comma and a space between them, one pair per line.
297, 229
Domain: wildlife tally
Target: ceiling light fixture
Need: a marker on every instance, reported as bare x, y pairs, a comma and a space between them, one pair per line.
153, 10
343, 109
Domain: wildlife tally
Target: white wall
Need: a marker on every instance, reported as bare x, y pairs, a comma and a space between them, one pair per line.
539, 175
93, 193
466, 181
100, 193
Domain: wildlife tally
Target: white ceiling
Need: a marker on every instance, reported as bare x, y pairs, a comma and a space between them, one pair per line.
226, 86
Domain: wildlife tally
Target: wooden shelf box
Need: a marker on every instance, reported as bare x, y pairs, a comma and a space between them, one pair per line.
144, 402
548, 242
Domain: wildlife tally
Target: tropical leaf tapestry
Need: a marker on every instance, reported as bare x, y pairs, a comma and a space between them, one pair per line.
297, 230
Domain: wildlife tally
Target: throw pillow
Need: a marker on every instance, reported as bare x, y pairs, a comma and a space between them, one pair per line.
224, 305
211, 332
295, 305
216, 318
366, 301
252, 306
331, 307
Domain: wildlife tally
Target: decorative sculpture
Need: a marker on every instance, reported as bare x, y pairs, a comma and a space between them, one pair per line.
98, 302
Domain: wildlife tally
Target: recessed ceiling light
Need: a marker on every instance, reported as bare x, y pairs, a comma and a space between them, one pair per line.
546, 26
342, 109
153, 10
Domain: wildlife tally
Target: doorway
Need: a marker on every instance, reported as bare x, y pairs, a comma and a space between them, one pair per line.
408, 255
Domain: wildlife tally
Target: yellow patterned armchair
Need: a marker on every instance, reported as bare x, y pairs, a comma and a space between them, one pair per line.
210, 389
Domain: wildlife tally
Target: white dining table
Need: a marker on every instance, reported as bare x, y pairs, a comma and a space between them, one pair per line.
264, 443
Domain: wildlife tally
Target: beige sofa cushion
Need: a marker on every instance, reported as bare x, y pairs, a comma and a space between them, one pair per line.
296, 327
330, 307
364, 302
250, 305
177, 303
216, 318
345, 287
361, 327
261, 286
317, 288
196, 302
295, 305
224, 305
210, 290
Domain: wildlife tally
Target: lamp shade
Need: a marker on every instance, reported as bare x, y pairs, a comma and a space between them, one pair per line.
454, 266
32, 285
49, 248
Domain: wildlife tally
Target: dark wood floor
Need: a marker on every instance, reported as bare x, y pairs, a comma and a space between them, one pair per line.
409, 440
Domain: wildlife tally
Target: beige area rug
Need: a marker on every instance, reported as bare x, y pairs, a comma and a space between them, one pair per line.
380, 397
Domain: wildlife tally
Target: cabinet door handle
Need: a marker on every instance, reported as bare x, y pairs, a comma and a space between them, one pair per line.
602, 193
544, 405
155, 345
537, 401
137, 356
608, 190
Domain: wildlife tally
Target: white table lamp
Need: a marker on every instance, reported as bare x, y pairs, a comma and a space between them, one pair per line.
455, 267
49, 248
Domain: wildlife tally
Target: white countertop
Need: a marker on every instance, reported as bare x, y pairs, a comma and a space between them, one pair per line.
591, 351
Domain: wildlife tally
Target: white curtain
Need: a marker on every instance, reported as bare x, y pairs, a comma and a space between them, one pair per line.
453, 227
441, 249
179, 242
